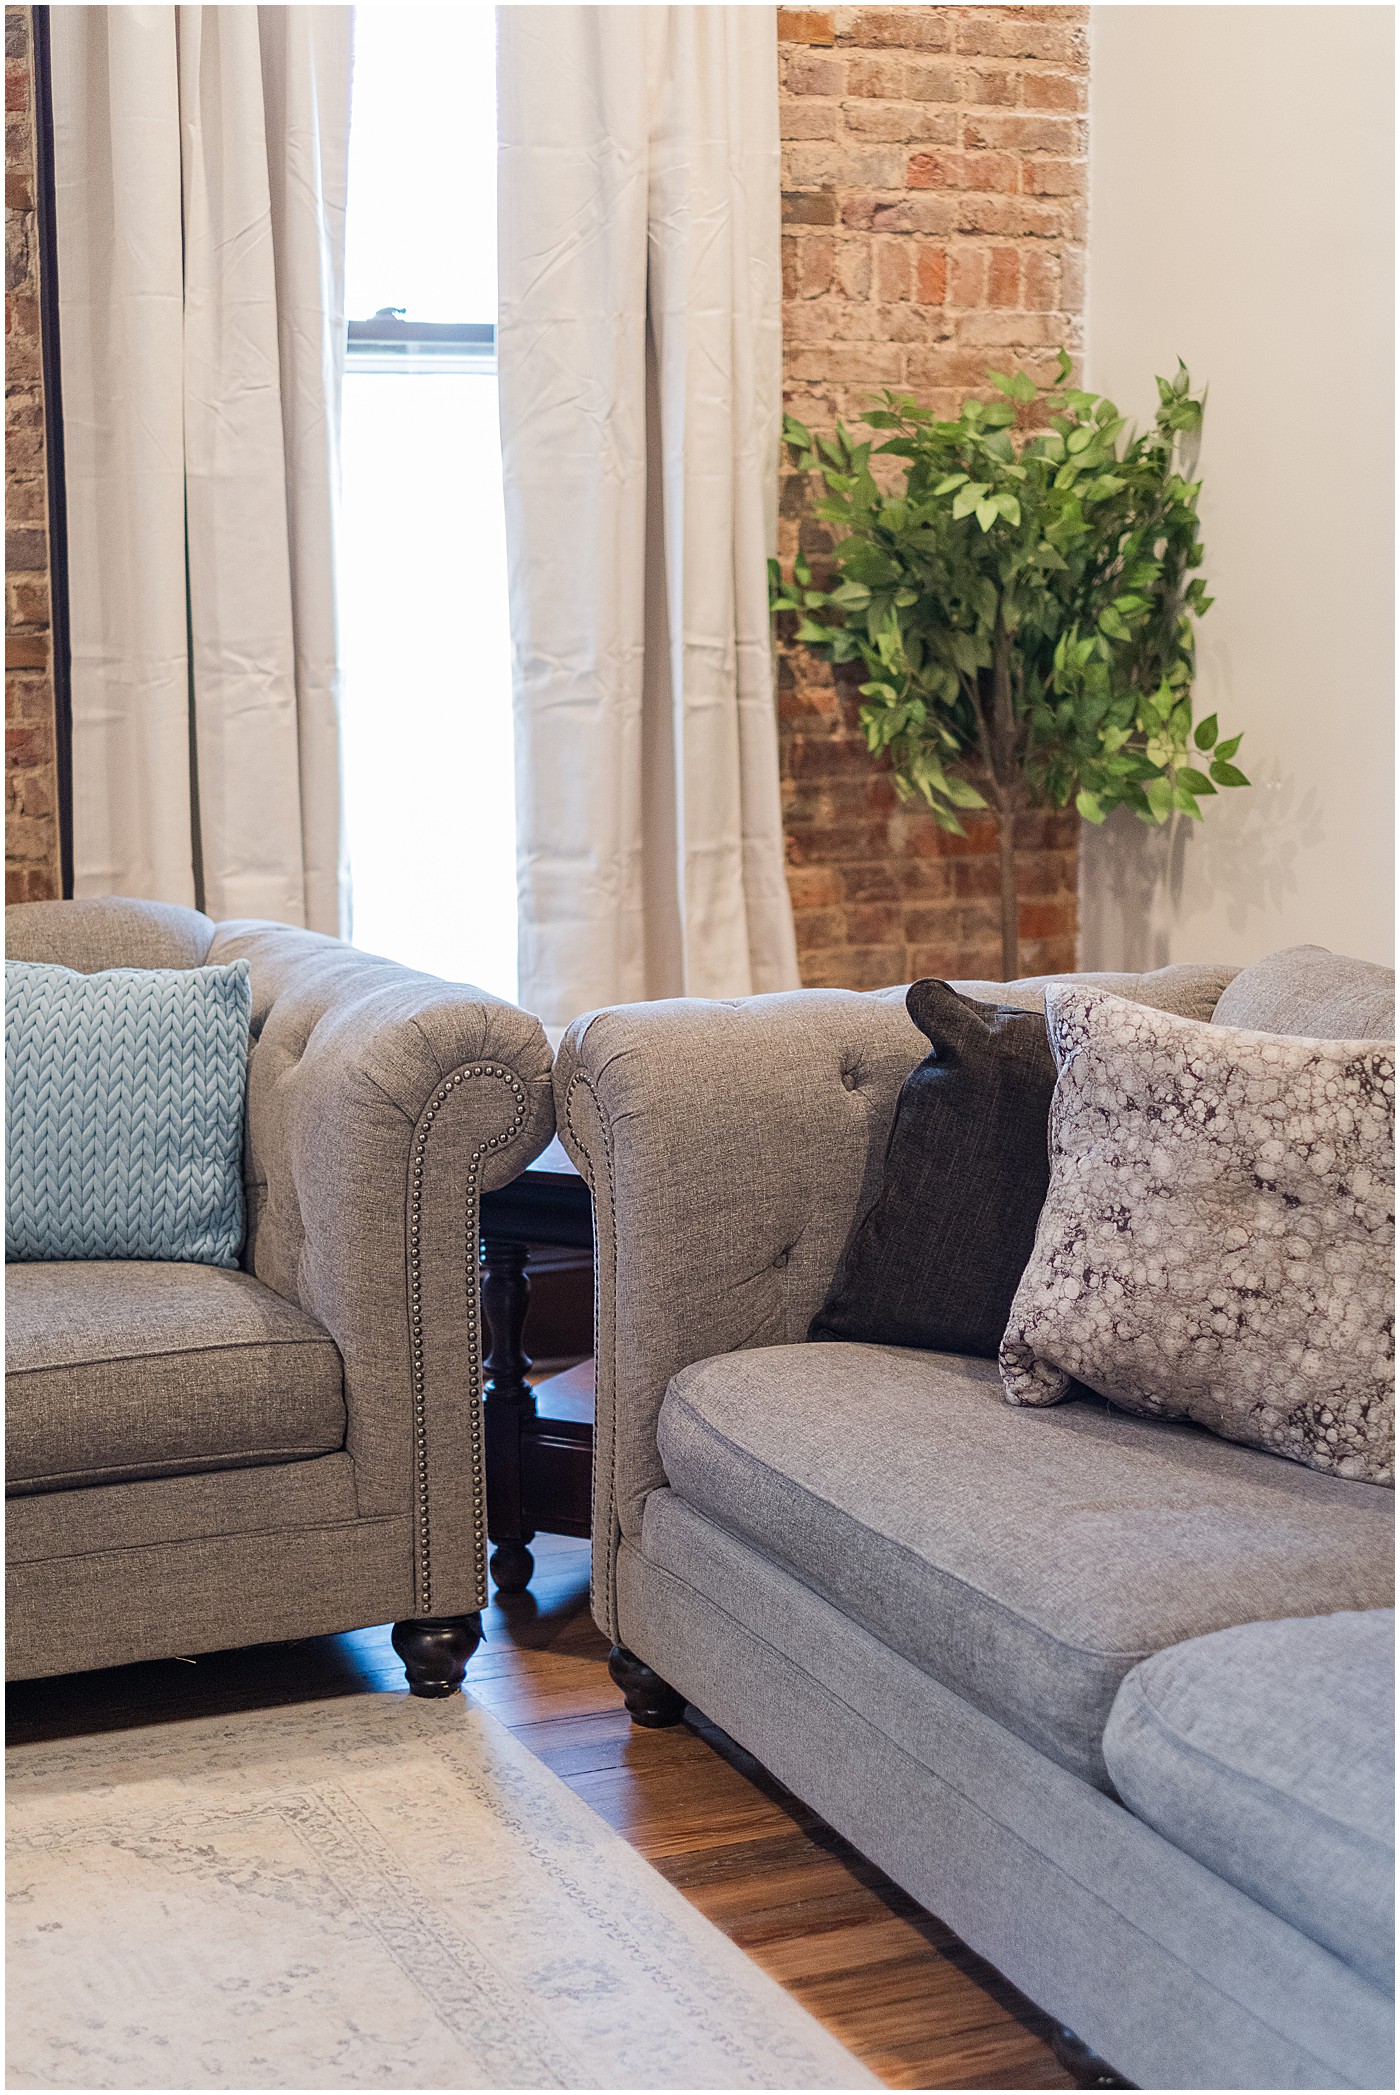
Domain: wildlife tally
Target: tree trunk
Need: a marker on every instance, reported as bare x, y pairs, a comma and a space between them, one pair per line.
1010, 915
1006, 768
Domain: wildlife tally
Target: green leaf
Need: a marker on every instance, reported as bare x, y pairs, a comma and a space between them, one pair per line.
814, 635
1209, 728
1160, 798
967, 498
946, 486
852, 596
1194, 781
1088, 803
1079, 440
962, 794
987, 514
1227, 775
1016, 385
1227, 749
1009, 507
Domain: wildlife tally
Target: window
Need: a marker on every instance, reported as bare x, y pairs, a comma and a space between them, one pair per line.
428, 750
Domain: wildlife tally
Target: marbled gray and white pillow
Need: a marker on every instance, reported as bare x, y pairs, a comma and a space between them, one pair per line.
1218, 1239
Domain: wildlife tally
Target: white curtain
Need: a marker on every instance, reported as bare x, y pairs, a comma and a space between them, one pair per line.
640, 381
200, 164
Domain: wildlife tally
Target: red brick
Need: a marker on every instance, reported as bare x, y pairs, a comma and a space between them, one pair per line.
807, 119
1040, 279
994, 87
967, 277
26, 650
813, 887
1023, 134
918, 271
877, 75
931, 275
809, 73
1053, 177
1044, 919
897, 28
893, 268
1052, 91
853, 267
926, 80
813, 207
805, 25
1004, 277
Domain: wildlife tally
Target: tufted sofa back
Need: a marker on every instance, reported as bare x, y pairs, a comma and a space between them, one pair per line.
115, 932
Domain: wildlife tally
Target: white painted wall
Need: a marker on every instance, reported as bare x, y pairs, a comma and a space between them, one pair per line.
1241, 216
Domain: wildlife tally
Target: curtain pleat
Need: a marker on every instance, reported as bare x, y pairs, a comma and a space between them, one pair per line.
640, 361
205, 476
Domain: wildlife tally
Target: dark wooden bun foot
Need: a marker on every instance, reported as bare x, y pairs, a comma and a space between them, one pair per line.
650, 1700
1088, 2069
435, 1652
512, 1567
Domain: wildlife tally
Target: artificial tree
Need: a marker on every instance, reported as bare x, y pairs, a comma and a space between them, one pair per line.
1023, 604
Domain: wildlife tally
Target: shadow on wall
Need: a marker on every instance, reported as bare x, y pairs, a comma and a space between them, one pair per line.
1245, 853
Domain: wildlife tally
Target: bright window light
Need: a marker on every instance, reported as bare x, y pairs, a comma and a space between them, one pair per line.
427, 741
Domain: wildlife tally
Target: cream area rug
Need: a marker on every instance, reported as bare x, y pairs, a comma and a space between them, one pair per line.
375, 1893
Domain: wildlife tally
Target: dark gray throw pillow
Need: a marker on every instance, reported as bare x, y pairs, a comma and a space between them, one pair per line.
937, 1259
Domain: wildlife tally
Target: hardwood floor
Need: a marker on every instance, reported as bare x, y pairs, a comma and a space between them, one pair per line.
891, 1982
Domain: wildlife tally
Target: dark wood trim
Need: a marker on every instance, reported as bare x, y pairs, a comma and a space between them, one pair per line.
59, 631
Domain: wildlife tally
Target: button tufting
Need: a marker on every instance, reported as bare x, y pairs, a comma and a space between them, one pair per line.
850, 1078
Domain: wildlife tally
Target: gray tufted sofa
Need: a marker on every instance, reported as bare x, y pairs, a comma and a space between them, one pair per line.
952, 1627
200, 1458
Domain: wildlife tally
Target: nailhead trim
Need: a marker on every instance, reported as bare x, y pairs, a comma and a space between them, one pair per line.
423, 1564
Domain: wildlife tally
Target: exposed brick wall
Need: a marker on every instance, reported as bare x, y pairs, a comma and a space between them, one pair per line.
934, 183
31, 827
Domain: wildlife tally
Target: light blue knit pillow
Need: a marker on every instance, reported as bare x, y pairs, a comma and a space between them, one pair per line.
124, 1112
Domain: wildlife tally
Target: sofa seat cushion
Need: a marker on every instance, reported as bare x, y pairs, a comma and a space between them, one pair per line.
1028, 1559
123, 1368
1268, 1753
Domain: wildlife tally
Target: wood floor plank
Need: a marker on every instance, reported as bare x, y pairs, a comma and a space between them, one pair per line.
889, 1980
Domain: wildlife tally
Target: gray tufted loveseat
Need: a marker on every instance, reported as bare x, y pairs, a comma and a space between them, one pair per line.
923, 1609
200, 1458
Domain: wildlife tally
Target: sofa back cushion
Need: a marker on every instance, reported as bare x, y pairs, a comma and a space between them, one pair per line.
114, 932
1309, 991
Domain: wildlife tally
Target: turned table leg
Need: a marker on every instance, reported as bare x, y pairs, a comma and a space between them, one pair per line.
510, 1402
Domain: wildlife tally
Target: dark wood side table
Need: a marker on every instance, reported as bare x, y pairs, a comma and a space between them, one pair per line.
539, 1442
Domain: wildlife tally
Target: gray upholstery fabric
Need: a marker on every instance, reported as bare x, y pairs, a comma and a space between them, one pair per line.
1161, 1966
1268, 1753
1309, 991
314, 1492
730, 1146
364, 1076
110, 1607
1027, 1559
1192, 989
125, 1368
381, 1103
115, 932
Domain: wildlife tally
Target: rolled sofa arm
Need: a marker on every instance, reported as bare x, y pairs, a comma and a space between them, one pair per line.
381, 1104
730, 1148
